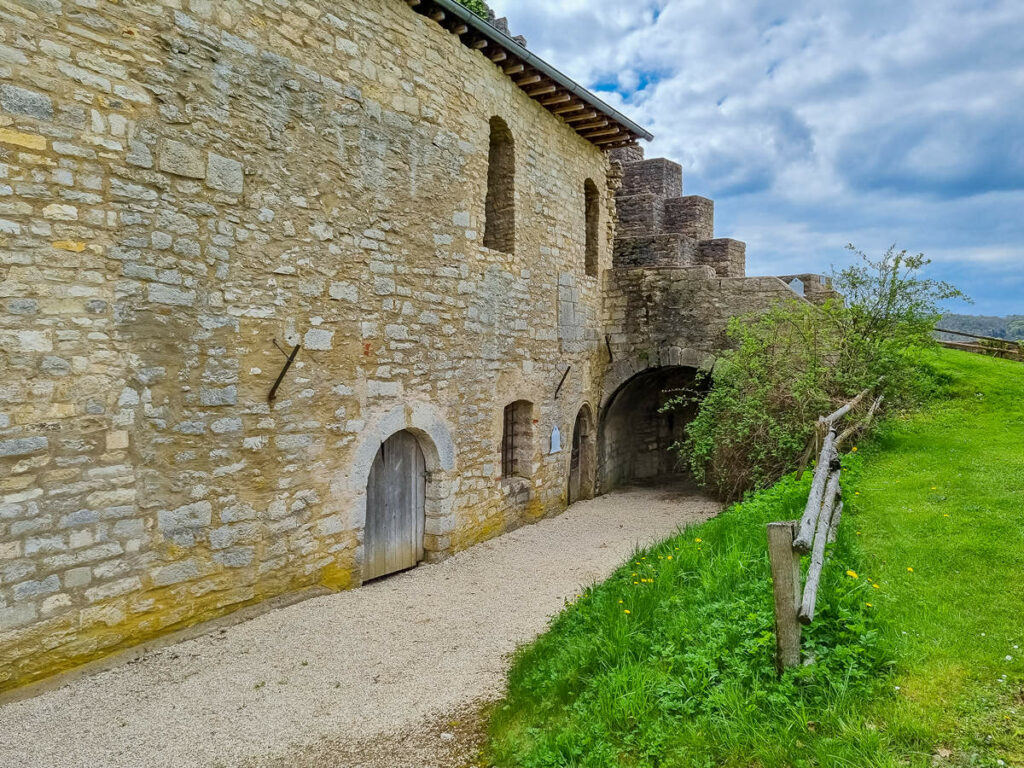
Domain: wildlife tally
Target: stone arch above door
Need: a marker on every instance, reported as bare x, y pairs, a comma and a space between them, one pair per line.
583, 455
434, 437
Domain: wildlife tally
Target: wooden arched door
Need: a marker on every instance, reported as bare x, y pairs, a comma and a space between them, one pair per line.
395, 499
581, 463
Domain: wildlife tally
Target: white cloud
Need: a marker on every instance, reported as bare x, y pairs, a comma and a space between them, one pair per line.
817, 123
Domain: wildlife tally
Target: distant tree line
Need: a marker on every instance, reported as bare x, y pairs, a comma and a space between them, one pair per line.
1011, 327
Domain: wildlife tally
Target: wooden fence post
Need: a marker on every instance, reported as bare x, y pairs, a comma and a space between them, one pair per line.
786, 586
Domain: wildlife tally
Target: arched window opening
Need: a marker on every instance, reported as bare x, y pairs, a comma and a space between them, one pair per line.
592, 207
517, 439
500, 221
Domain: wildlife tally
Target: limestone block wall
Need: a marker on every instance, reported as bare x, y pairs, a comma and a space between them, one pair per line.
676, 316
187, 186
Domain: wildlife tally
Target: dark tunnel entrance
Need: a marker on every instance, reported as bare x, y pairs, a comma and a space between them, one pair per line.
635, 436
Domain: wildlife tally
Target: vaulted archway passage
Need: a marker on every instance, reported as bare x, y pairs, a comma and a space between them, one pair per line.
636, 436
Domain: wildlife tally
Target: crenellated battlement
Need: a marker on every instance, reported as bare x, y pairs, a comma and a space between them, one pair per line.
660, 227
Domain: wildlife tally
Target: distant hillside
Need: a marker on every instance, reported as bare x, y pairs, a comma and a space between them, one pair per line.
1011, 327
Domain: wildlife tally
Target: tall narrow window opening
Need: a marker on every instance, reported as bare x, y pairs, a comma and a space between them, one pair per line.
500, 222
517, 439
592, 207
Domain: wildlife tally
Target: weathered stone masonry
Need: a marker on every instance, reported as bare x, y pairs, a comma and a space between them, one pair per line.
187, 186
180, 189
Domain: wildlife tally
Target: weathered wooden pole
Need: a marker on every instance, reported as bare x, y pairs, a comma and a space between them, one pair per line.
837, 517
810, 597
809, 521
786, 586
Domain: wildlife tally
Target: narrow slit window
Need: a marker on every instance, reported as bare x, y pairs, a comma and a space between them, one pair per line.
500, 206
592, 210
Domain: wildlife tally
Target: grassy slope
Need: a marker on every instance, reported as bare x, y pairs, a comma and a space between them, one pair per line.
669, 662
943, 493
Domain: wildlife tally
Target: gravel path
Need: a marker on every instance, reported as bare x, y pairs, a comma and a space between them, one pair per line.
303, 684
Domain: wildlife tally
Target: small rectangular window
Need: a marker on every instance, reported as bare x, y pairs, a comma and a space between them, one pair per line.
517, 439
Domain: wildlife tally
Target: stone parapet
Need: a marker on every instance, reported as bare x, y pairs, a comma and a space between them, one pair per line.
659, 176
657, 250
658, 227
728, 257
817, 289
640, 215
692, 216
649, 312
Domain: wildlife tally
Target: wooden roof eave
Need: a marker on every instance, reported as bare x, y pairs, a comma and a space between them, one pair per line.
581, 110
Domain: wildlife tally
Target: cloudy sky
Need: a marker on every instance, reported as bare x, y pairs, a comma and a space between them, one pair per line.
814, 123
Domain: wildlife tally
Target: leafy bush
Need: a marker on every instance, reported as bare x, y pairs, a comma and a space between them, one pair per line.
796, 362
671, 661
479, 7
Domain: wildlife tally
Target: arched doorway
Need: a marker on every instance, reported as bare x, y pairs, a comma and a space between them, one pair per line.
583, 457
395, 507
636, 436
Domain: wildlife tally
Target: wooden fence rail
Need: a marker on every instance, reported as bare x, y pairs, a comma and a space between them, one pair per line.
1007, 349
789, 540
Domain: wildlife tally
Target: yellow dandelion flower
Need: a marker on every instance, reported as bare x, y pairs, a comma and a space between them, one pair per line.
852, 575
626, 611
911, 570
935, 487
945, 515
868, 605
876, 586
854, 449
698, 540
670, 557
620, 602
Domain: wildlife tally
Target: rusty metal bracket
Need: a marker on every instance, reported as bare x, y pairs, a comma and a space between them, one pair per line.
287, 365
280, 348
564, 375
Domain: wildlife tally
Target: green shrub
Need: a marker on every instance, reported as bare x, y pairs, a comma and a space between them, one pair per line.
479, 7
796, 362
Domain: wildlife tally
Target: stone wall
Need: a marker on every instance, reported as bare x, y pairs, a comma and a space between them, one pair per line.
674, 285
676, 316
185, 189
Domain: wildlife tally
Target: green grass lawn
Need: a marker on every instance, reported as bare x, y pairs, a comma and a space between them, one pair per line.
670, 661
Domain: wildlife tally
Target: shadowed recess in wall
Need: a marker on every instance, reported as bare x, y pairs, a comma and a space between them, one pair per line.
635, 435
